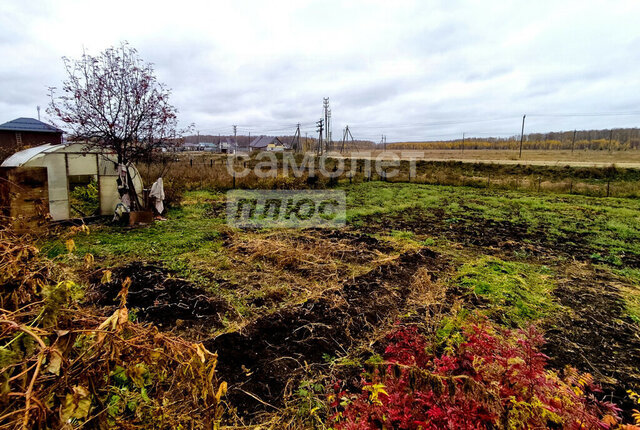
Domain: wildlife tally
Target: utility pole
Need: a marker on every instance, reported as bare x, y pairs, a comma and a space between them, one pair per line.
522, 134
320, 125
610, 138
573, 142
38, 113
462, 146
327, 118
295, 142
235, 140
346, 135
330, 135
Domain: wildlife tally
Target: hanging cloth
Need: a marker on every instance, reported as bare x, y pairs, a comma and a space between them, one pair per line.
157, 194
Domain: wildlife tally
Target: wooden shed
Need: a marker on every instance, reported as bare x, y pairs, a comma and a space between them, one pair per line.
40, 179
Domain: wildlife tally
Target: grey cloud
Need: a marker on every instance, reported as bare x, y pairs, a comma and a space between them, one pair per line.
409, 69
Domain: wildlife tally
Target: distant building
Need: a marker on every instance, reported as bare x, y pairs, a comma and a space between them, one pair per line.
208, 147
190, 147
22, 133
267, 143
227, 146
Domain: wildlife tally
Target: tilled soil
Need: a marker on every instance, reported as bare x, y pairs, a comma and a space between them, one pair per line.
260, 361
159, 296
595, 337
501, 236
277, 349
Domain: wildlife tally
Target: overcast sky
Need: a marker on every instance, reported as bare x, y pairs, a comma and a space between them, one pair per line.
409, 69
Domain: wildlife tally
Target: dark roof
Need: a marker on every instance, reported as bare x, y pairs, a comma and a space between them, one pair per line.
264, 141
29, 124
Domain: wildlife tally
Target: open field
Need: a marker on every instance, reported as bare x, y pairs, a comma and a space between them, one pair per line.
579, 158
195, 171
292, 311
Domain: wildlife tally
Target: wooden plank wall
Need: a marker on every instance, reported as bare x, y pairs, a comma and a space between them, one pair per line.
24, 197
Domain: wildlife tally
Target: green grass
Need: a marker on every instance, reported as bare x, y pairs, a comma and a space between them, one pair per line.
609, 225
517, 293
187, 236
630, 293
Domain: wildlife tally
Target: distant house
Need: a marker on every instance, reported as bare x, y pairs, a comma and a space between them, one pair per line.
227, 146
224, 146
22, 133
267, 143
208, 147
190, 147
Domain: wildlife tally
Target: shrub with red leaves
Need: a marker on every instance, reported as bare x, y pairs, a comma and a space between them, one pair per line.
496, 378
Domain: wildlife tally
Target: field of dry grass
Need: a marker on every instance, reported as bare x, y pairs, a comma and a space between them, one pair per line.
584, 158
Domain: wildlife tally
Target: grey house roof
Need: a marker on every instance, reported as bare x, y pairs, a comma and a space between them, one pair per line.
264, 141
29, 124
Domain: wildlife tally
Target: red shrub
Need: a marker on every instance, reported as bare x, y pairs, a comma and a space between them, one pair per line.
496, 378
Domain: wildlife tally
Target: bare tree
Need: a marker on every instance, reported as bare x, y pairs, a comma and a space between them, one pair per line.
114, 102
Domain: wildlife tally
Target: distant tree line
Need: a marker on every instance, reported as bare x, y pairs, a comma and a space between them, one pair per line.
613, 139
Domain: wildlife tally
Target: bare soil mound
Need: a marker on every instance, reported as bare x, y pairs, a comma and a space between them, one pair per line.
159, 296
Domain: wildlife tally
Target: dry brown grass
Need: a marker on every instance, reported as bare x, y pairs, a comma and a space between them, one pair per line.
58, 359
629, 158
299, 264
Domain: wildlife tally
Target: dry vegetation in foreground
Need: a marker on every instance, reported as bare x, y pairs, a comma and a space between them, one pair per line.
63, 366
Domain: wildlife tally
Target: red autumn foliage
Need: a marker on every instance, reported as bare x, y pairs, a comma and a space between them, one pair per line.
496, 378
